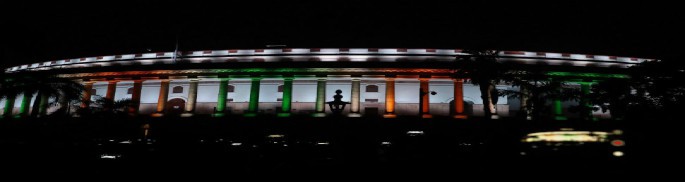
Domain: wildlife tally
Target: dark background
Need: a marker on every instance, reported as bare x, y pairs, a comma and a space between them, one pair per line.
42, 31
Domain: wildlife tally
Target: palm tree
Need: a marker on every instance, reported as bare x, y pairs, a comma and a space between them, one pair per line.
8, 92
483, 69
45, 87
104, 107
654, 87
535, 90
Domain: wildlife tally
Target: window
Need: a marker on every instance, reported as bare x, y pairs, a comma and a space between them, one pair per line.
129, 91
279, 99
177, 90
370, 100
280, 88
93, 92
230, 89
371, 88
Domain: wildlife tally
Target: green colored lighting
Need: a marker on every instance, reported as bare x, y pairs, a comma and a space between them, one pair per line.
221, 99
24, 109
287, 95
558, 110
254, 96
588, 75
9, 105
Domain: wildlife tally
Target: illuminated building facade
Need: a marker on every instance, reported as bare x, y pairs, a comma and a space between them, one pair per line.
299, 81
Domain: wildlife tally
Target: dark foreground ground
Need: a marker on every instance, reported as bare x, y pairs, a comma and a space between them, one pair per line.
312, 147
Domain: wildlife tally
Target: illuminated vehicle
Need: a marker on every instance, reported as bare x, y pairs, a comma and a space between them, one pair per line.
569, 144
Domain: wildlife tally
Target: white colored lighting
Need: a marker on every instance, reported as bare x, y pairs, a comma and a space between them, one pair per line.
275, 136
567, 136
236, 144
414, 133
618, 154
322, 143
107, 156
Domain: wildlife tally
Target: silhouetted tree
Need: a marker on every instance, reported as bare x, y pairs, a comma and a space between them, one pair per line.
536, 90
482, 68
45, 88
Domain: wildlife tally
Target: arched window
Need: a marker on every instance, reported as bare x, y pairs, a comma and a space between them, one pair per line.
280, 88
371, 88
230, 89
129, 91
177, 90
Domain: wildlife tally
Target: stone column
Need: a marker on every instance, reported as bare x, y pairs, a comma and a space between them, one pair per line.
43, 105
192, 98
389, 98
558, 108
9, 106
356, 96
320, 97
286, 102
25, 103
253, 107
135, 97
111, 91
459, 99
221, 98
424, 100
163, 97
586, 112
87, 91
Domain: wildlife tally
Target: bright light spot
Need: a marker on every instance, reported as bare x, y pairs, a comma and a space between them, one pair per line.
275, 136
125, 142
567, 136
322, 143
523, 153
414, 133
236, 144
385, 143
111, 140
618, 132
618, 153
108, 156
618, 143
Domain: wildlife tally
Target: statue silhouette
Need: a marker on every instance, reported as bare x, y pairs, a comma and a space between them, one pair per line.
337, 105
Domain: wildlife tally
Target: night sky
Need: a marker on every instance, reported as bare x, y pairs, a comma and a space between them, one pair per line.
38, 31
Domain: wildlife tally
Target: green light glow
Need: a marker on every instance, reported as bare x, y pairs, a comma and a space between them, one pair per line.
24, 109
9, 105
254, 96
589, 75
221, 99
287, 95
